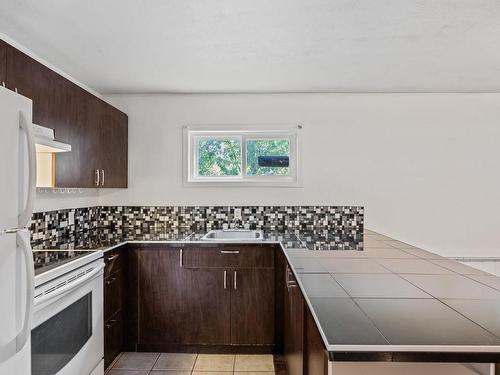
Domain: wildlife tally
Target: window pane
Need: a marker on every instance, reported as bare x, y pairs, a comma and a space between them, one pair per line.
268, 157
219, 157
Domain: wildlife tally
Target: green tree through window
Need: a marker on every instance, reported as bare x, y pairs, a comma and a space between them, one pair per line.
219, 157
222, 157
266, 147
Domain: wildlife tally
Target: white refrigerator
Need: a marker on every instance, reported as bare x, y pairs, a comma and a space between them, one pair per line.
17, 195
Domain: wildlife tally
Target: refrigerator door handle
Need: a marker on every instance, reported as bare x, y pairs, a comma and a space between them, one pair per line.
25, 332
25, 216
15, 345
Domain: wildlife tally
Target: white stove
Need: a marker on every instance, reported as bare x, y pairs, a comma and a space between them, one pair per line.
67, 334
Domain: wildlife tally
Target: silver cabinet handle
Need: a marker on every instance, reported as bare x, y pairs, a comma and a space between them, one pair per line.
102, 179
181, 258
112, 257
235, 280
229, 252
289, 283
225, 279
287, 278
97, 177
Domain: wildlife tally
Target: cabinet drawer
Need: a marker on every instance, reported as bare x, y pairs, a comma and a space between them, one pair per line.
113, 338
228, 257
114, 261
113, 294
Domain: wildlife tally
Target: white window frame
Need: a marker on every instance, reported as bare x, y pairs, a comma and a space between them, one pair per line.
191, 135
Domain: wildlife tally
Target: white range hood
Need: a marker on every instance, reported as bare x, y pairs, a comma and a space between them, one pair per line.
46, 148
46, 142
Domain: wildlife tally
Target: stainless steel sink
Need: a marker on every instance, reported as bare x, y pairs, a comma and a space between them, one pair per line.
233, 235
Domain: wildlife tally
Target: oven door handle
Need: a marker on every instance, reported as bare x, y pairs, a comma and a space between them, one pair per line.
72, 285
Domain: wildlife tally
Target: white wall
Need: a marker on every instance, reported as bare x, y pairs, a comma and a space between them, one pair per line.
66, 199
425, 166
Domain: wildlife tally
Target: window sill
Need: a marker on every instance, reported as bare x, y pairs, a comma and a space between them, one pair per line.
243, 183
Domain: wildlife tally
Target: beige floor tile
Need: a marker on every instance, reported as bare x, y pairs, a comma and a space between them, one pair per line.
212, 373
254, 362
170, 372
175, 361
214, 362
254, 373
136, 361
127, 372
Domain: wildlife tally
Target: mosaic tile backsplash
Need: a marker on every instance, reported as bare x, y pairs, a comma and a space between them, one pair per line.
62, 223
345, 221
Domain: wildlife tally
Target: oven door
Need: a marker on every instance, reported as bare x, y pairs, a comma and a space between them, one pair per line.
67, 338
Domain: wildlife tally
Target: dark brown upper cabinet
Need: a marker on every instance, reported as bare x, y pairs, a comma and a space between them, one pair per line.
114, 147
3, 62
35, 81
97, 132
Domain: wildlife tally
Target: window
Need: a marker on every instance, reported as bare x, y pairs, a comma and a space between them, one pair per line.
241, 157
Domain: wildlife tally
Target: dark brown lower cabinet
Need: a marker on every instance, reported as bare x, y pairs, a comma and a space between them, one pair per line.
293, 326
252, 307
316, 357
182, 301
161, 296
113, 294
303, 348
172, 303
114, 305
207, 311
113, 337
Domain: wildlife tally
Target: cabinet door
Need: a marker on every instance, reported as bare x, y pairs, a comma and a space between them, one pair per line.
35, 81
113, 338
76, 124
97, 132
316, 357
114, 147
113, 294
162, 297
252, 306
3, 62
294, 326
207, 307
297, 324
61, 105
178, 305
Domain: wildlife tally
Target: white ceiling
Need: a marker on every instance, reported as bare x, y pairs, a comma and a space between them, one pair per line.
264, 45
